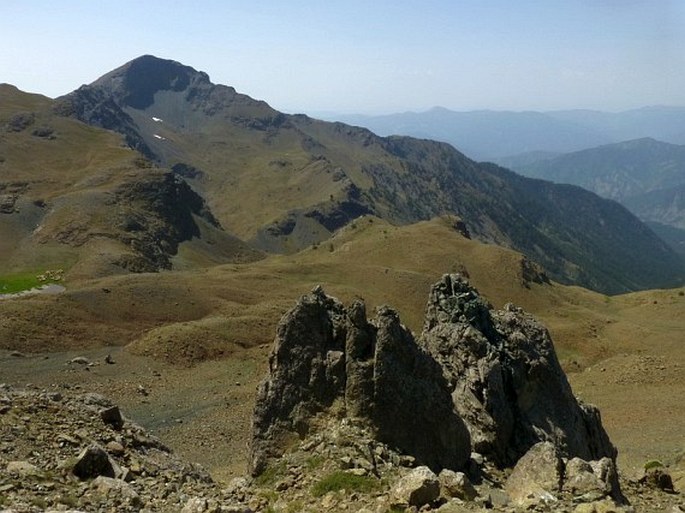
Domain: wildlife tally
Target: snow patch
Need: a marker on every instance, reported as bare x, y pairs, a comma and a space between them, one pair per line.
159, 137
157, 120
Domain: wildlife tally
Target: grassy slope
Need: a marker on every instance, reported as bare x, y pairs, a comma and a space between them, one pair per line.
232, 310
196, 314
76, 163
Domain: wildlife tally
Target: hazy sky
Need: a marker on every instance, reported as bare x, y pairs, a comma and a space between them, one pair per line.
371, 56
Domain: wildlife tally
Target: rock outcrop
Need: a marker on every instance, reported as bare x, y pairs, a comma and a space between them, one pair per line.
58, 452
505, 379
330, 358
476, 379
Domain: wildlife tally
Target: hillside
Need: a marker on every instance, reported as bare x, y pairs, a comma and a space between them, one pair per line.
196, 341
73, 197
645, 175
284, 182
616, 171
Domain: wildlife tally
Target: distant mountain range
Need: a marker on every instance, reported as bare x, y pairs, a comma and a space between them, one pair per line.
219, 177
492, 135
646, 175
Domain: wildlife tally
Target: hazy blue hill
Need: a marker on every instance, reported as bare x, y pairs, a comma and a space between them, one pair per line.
485, 134
498, 135
523, 160
665, 206
617, 171
660, 122
646, 175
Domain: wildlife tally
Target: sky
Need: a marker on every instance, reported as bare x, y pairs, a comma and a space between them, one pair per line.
366, 57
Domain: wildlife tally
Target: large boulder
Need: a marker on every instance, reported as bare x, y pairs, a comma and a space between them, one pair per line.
420, 486
537, 477
505, 379
326, 355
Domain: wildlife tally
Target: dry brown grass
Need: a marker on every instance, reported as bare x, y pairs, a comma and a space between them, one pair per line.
229, 312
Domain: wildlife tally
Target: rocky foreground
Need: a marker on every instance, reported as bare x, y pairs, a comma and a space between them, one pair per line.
475, 414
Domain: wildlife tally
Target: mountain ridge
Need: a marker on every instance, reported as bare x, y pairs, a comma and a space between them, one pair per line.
308, 178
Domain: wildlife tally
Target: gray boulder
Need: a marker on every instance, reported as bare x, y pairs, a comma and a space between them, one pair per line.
93, 462
418, 487
505, 379
537, 477
593, 480
456, 485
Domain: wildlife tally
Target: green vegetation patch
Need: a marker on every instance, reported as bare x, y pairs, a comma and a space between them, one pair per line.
271, 475
340, 480
12, 283
653, 464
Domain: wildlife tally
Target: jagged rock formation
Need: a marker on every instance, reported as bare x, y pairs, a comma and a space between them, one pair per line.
326, 355
505, 379
494, 372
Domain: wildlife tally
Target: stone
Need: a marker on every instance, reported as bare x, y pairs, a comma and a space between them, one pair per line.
456, 485
115, 448
453, 506
497, 498
505, 378
112, 416
657, 477
580, 480
116, 488
195, 505
537, 477
419, 487
22, 468
93, 462
606, 471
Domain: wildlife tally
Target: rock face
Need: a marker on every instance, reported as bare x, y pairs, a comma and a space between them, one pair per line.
476, 379
326, 356
505, 379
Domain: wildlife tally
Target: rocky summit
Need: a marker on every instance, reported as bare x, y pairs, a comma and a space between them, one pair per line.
475, 380
477, 386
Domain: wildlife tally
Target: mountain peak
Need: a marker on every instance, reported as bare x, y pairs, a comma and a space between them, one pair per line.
135, 83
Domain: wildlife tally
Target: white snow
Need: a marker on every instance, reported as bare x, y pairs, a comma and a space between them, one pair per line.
160, 137
157, 120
